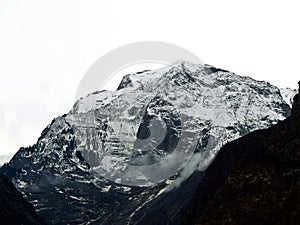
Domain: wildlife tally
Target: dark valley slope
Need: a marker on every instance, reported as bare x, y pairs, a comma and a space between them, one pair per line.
253, 180
14, 209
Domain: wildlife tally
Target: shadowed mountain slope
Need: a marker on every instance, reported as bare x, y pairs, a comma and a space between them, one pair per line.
253, 180
14, 209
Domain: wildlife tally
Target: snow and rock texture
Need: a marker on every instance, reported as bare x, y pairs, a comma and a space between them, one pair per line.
288, 94
80, 170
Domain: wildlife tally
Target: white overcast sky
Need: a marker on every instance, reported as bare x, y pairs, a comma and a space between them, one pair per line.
47, 46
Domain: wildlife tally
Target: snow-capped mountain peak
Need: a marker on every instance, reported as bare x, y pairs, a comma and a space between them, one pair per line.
130, 146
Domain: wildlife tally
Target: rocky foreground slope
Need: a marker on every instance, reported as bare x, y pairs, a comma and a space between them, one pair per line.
14, 209
123, 157
253, 180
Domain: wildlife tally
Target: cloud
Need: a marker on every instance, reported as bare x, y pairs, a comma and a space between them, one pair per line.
187, 171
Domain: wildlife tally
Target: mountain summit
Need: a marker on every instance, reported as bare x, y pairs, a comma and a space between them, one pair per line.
125, 156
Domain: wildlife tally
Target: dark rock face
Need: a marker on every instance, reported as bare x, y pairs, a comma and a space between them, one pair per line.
296, 105
14, 209
253, 180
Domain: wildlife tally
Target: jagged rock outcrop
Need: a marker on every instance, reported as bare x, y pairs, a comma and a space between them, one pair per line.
253, 180
14, 209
